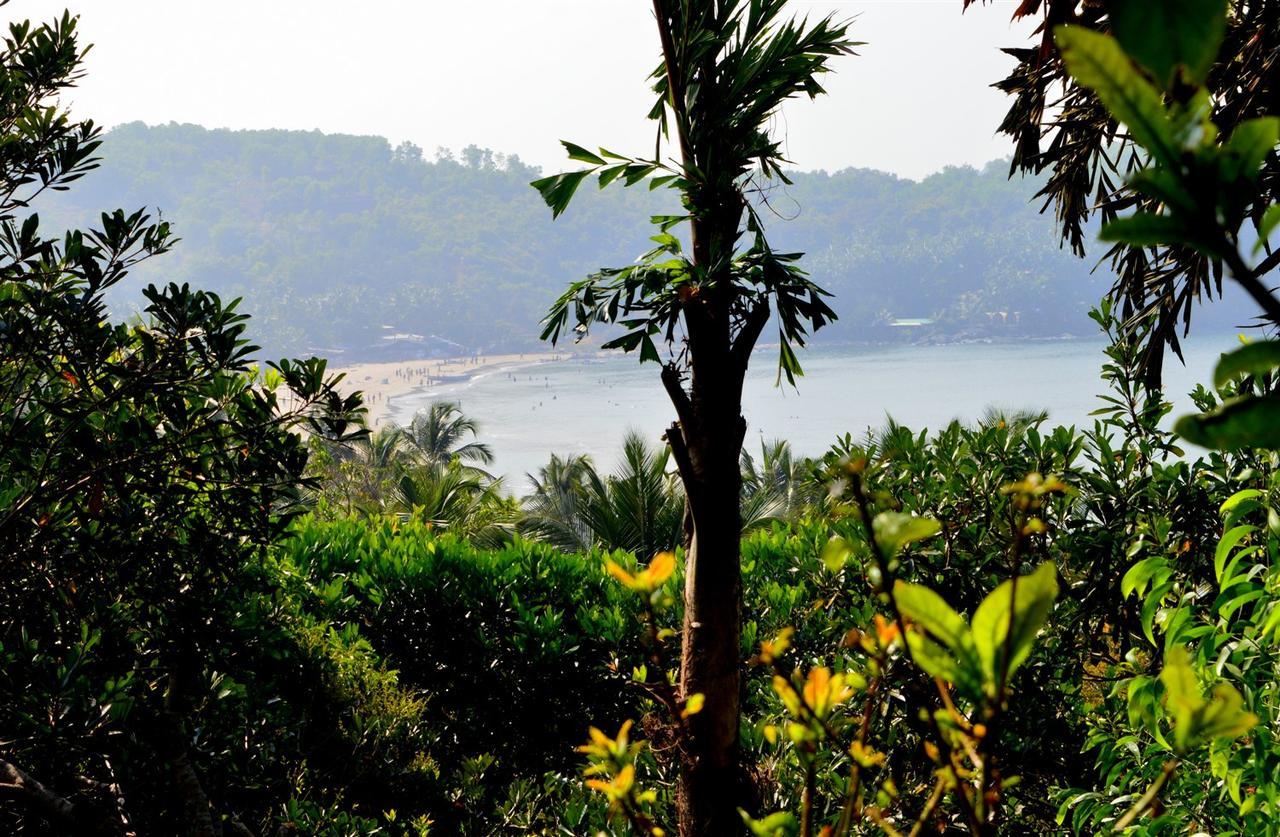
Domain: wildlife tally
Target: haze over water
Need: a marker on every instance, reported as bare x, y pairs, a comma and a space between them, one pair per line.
586, 406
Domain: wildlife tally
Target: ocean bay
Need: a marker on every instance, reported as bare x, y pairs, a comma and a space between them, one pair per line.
586, 404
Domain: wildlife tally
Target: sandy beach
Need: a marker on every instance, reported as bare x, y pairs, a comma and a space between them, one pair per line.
383, 382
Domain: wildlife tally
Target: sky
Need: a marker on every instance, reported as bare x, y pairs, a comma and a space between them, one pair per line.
517, 76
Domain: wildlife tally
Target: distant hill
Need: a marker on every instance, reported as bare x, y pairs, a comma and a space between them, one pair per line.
337, 242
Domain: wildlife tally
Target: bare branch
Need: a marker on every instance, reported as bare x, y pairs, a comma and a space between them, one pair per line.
15, 783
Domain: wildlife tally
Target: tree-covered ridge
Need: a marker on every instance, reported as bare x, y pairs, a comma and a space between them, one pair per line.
329, 238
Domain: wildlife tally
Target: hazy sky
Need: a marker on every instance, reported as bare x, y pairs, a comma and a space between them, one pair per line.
518, 75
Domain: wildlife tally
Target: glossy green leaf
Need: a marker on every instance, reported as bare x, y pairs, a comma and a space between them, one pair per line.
1195, 719
1240, 423
932, 613
1097, 61
894, 530
1253, 358
1164, 35
1023, 606
936, 661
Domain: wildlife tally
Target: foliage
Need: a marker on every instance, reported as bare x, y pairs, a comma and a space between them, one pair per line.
1105, 134
328, 238
146, 468
510, 649
639, 508
423, 471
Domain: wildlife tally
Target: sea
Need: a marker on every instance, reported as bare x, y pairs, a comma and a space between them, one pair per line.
587, 404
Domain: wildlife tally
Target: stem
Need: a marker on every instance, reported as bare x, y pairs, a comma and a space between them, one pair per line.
886, 584
806, 803
939, 788
1153, 792
1248, 279
852, 806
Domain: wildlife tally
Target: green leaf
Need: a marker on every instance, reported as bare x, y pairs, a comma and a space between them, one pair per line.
894, 530
1166, 34
582, 155
934, 660
1165, 186
1229, 541
835, 554
1270, 220
1024, 606
610, 174
1144, 229
1196, 720
1140, 574
1239, 423
1254, 358
648, 351
1225, 716
788, 363
931, 612
1248, 147
780, 824
1097, 62
558, 189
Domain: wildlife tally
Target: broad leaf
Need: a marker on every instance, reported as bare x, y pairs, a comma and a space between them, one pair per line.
1098, 62
932, 613
1196, 720
894, 530
1166, 34
1255, 358
1244, 422
835, 553
1144, 229
780, 824
936, 661
1025, 606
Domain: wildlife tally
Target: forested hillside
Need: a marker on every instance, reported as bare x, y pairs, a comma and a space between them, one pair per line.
330, 239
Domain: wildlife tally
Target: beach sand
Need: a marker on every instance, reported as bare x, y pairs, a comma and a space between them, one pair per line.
383, 382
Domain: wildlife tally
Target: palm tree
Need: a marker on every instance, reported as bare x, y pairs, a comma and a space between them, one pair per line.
779, 487
457, 499
379, 449
553, 512
437, 436
639, 507
358, 476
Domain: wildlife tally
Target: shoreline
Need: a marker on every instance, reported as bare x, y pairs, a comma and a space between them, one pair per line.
383, 382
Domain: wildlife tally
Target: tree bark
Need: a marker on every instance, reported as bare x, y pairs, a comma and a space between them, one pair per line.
711, 787
707, 443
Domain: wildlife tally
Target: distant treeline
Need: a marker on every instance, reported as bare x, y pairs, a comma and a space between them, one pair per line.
336, 242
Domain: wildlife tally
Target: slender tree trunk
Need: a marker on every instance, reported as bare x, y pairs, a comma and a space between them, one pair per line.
712, 783
711, 787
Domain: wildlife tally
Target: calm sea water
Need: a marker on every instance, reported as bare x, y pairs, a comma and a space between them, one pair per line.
585, 406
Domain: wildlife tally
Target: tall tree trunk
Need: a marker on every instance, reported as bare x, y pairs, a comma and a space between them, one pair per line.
711, 787
712, 784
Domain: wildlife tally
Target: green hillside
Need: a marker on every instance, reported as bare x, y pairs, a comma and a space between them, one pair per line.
332, 239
